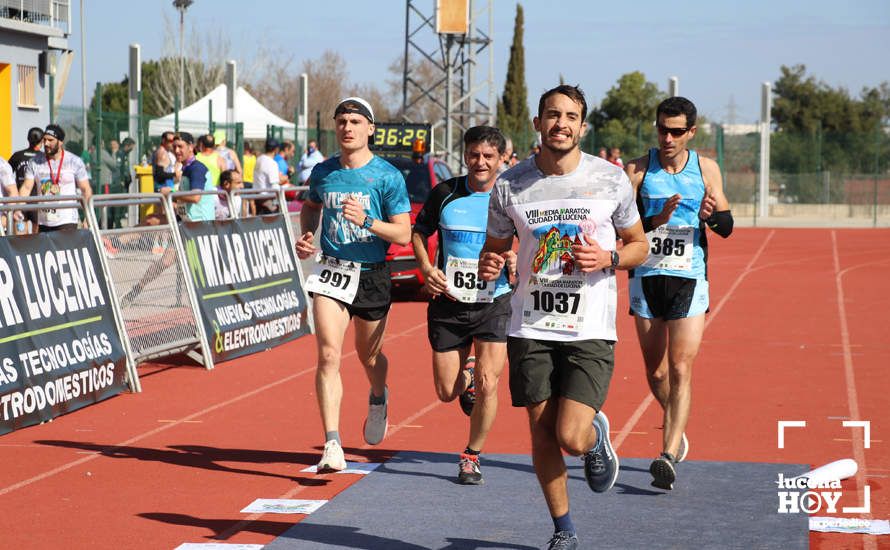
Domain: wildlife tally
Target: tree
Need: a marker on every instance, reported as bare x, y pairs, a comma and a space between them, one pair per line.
512, 108
624, 118
820, 128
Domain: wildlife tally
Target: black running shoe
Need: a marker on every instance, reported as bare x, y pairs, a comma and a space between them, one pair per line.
601, 462
469, 472
468, 397
663, 473
563, 540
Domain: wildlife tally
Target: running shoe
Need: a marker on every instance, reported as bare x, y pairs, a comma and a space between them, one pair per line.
563, 540
601, 462
332, 459
110, 250
129, 298
468, 470
375, 424
663, 473
468, 397
684, 448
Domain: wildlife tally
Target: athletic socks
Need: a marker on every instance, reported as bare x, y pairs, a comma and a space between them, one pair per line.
335, 435
564, 523
374, 400
469, 451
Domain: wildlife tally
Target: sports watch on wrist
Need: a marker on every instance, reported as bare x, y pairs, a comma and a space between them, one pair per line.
615, 259
369, 221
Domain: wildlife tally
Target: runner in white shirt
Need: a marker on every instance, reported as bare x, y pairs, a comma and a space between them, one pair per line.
57, 173
565, 207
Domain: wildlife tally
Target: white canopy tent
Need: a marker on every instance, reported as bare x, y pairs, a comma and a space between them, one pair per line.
195, 117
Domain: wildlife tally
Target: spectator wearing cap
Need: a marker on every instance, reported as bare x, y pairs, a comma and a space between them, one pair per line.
17, 162
193, 176
267, 176
56, 173
230, 158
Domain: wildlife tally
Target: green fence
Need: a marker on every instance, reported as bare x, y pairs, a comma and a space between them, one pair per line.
844, 175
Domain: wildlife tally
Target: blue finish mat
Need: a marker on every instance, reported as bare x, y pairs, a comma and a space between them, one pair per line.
414, 503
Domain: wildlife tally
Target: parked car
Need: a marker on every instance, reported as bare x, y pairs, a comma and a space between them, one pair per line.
421, 175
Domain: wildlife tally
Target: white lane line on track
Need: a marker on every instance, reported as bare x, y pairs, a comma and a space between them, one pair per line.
644, 404
68, 465
868, 543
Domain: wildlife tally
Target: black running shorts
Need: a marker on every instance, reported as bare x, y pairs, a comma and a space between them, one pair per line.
373, 297
454, 325
541, 369
668, 297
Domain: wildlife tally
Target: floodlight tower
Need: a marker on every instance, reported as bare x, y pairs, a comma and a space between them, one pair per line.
450, 39
182, 5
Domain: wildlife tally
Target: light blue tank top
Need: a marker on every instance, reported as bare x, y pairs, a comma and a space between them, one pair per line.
658, 186
463, 220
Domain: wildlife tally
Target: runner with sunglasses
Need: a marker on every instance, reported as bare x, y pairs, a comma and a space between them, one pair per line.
678, 194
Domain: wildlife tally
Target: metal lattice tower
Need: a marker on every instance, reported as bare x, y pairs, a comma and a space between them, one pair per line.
462, 99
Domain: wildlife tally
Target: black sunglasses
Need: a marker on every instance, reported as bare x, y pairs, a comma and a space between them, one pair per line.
676, 132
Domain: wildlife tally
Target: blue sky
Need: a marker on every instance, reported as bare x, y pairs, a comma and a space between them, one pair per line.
718, 50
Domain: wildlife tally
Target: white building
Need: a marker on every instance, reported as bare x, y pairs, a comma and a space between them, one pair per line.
32, 35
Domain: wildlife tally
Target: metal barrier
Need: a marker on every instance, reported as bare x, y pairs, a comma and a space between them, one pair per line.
149, 272
29, 204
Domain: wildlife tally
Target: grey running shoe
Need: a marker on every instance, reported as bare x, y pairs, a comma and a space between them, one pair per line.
332, 459
684, 448
601, 462
375, 424
468, 397
468, 470
663, 473
563, 540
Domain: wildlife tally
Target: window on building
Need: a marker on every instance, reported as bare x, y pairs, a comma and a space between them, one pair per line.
27, 86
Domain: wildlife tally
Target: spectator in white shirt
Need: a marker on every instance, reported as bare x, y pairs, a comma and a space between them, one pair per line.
267, 176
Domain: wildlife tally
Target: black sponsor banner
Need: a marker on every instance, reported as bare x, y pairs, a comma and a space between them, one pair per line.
248, 288
59, 345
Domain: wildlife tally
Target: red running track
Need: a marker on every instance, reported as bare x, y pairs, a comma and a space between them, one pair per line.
797, 331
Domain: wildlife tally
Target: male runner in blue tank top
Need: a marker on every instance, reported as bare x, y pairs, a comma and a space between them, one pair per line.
363, 205
678, 194
465, 310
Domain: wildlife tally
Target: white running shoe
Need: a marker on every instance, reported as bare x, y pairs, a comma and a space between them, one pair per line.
375, 424
332, 459
684, 448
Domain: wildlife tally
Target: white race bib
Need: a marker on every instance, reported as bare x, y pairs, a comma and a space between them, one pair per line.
337, 279
464, 284
554, 303
670, 247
